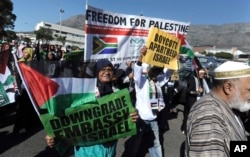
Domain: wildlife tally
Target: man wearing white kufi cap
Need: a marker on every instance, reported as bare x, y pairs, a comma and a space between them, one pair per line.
231, 69
212, 122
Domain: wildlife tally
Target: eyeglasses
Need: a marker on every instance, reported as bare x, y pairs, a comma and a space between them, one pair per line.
106, 70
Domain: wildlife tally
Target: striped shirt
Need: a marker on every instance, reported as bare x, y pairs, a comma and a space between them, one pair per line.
211, 126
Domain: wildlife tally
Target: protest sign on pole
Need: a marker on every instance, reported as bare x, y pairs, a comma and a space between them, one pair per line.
119, 37
105, 120
162, 49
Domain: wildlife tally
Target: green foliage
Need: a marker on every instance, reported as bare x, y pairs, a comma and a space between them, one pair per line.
7, 19
27, 40
10, 35
204, 53
44, 34
61, 39
209, 54
224, 55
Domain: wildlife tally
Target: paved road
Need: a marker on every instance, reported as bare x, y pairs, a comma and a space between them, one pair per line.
32, 144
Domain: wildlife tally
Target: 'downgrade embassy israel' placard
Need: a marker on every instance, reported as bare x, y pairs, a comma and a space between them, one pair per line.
162, 49
106, 120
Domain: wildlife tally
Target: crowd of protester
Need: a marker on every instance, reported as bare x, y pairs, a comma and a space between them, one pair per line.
140, 80
46, 51
26, 117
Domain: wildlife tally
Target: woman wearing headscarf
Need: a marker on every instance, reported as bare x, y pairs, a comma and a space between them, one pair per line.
105, 71
26, 116
27, 54
196, 88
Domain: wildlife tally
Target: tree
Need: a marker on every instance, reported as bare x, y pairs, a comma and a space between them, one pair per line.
7, 18
209, 54
10, 35
224, 55
61, 39
26, 40
44, 34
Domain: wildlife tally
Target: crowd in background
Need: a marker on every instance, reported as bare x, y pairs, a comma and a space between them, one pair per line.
46, 51
197, 85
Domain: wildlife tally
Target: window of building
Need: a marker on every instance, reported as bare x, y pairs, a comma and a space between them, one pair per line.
47, 25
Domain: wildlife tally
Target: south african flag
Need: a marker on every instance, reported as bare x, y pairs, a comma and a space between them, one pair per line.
104, 45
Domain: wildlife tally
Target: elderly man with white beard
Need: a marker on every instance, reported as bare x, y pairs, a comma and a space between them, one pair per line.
212, 122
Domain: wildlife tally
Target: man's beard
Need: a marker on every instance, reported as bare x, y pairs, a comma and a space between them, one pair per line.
238, 104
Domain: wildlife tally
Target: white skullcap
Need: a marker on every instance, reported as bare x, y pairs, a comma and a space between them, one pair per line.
230, 70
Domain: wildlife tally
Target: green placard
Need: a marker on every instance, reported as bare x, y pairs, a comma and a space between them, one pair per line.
105, 120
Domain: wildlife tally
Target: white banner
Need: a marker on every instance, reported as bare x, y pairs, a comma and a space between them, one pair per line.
119, 37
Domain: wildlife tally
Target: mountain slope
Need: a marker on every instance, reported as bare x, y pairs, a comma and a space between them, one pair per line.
221, 36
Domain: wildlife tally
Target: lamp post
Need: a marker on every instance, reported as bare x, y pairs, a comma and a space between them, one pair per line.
61, 12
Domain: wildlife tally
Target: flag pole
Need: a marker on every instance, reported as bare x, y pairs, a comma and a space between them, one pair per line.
13, 51
85, 30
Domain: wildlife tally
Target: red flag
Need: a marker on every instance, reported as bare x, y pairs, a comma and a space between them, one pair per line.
182, 38
4, 57
41, 87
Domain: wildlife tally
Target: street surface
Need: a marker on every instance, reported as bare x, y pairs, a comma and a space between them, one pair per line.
33, 144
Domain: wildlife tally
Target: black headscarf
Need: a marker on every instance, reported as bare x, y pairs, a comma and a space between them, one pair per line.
104, 88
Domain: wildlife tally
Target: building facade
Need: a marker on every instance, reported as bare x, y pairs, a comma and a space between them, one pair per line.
212, 49
74, 37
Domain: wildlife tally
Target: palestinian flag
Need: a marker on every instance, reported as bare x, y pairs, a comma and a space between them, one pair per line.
7, 80
55, 85
104, 45
4, 57
187, 49
67, 91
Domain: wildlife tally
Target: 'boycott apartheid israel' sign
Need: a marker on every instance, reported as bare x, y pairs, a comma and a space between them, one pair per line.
102, 121
163, 49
